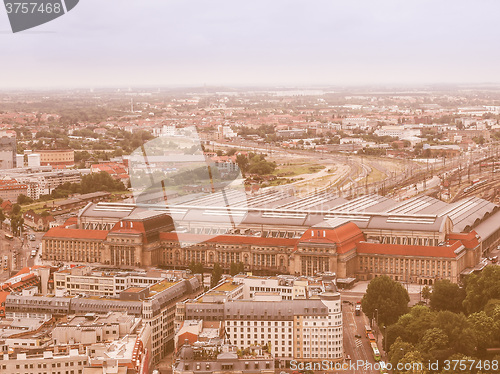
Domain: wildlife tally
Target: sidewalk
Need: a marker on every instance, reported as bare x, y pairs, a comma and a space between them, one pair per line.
362, 285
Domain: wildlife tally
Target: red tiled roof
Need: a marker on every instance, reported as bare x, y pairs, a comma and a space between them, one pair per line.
70, 221
27, 270
469, 240
344, 237
61, 232
409, 250
229, 239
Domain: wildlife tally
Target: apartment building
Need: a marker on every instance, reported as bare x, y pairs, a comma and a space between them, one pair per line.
94, 328
110, 343
10, 190
154, 303
308, 327
46, 363
196, 360
42, 180
57, 157
159, 312
101, 281
305, 329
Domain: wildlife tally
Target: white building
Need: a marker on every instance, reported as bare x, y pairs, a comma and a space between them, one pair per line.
300, 318
34, 160
96, 282
399, 132
48, 362
302, 329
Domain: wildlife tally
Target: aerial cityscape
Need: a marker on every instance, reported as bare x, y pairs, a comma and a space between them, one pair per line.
265, 187
333, 227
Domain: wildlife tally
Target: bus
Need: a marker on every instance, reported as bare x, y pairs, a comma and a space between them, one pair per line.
371, 338
368, 330
9, 237
376, 353
358, 310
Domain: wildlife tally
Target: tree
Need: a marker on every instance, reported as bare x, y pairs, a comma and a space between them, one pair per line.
484, 329
426, 293
233, 271
415, 362
16, 223
482, 288
236, 268
412, 326
196, 268
434, 344
216, 275
398, 351
23, 199
16, 209
460, 334
447, 296
242, 162
388, 297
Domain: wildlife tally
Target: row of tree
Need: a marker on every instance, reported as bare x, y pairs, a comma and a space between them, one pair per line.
462, 322
217, 271
90, 183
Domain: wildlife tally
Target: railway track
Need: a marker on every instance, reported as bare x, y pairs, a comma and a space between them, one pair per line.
487, 191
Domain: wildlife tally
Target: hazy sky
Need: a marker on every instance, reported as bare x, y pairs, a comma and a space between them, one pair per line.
287, 42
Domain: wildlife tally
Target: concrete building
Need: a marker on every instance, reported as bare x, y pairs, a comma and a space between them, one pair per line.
42, 180
103, 282
8, 151
47, 362
227, 361
400, 132
10, 190
111, 343
34, 160
156, 305
308, 327
55, 157
94, 328
134, 241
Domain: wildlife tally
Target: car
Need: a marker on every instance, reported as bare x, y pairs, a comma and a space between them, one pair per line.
357, 336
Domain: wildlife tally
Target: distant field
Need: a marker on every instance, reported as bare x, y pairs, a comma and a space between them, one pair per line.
297, 168
376, 175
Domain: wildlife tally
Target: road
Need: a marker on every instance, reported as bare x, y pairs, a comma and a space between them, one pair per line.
18, 252
358, 349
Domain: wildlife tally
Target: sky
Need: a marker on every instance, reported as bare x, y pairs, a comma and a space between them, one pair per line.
129, 43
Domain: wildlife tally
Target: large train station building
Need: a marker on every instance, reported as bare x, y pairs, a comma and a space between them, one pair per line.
419, 240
